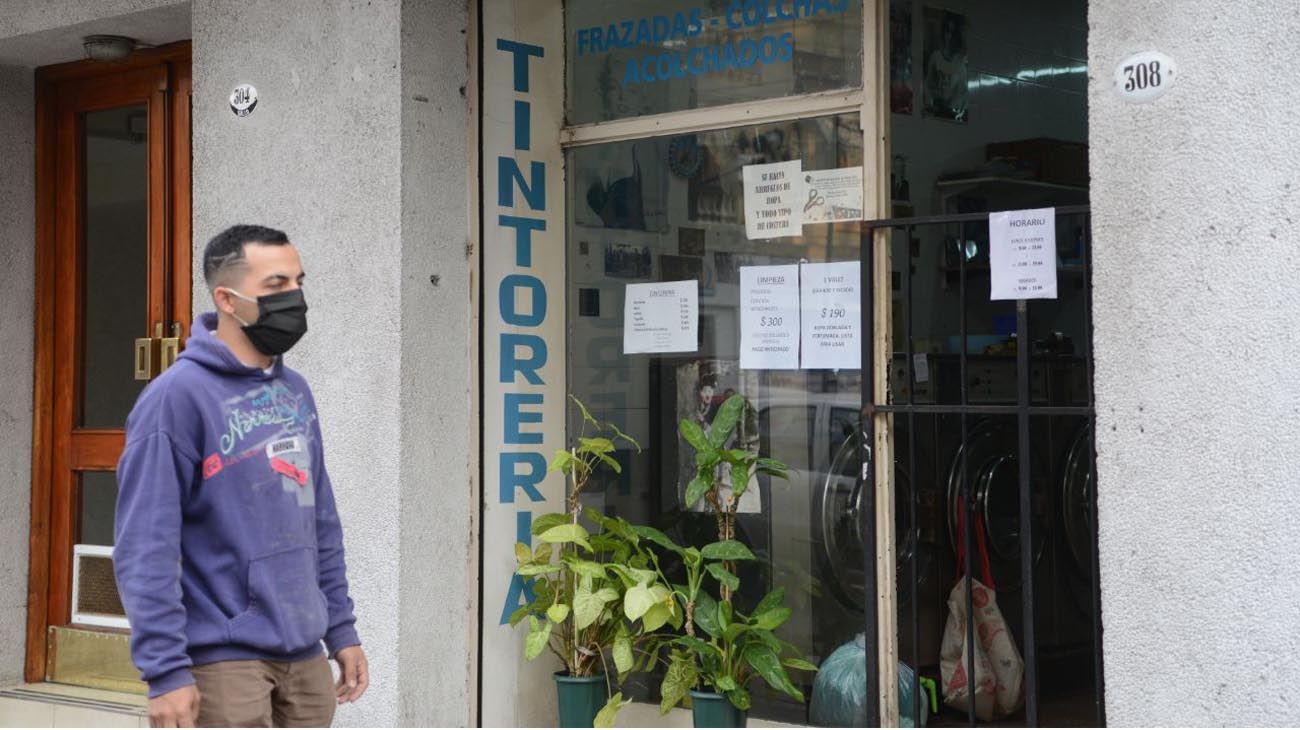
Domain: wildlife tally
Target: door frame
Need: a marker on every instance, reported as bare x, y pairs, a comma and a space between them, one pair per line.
49, 539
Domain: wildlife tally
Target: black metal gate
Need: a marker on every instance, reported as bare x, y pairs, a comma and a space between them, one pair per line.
1034, 408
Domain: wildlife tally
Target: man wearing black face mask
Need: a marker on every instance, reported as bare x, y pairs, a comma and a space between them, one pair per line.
229, 551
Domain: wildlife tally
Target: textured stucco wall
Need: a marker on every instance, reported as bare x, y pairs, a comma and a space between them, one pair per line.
369, 182
319, 158
439, 509
17, 286
41, 32
1196, 199
22, 17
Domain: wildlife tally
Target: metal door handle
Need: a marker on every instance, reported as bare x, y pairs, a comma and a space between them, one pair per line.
170, 347
147, 354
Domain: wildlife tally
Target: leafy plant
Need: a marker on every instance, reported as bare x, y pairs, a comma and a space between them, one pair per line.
731, 647
713, 460
597, 594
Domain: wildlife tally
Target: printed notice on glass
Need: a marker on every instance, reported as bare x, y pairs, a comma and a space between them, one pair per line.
661, 317
832, 195
769, 317
772, 205
831, 306
1022, 254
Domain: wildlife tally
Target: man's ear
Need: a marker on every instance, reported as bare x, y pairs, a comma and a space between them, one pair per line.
224, 300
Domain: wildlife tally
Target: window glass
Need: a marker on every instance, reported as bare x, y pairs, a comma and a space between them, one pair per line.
670, 209
98, 504
114, 297
989, 112
637, 57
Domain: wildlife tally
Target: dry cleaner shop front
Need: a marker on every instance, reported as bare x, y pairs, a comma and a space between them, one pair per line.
790, 200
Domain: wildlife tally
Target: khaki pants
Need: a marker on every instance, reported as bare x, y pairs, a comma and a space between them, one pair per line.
266, 694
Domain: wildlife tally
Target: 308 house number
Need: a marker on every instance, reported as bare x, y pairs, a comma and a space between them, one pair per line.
1144, 76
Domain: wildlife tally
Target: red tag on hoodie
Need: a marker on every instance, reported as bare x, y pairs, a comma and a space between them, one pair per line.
212, 466
283, 467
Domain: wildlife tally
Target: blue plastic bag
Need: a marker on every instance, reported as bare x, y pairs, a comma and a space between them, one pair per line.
839, 691
908, 686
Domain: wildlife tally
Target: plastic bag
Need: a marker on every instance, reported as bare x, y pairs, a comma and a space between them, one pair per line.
999, 668
908, 687
839, 691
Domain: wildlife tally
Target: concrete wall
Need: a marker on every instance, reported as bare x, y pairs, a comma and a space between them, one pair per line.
42, 32
1196, 199
439, 345
17, 286
356, 149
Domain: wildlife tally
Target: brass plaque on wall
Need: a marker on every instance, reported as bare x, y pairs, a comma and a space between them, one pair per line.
99, 659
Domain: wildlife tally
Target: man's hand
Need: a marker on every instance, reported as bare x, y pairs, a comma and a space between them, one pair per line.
178, 708
354, 674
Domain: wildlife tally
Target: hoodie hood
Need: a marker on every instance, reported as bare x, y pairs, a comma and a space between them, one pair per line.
204, 348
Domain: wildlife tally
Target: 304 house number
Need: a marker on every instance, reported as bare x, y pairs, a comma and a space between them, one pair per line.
1144, 76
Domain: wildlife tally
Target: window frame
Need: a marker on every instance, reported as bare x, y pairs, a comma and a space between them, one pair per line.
870, 102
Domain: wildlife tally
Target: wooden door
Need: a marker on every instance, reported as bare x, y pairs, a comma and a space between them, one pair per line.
113, 279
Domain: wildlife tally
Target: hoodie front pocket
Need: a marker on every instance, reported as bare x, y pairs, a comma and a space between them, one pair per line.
286, 609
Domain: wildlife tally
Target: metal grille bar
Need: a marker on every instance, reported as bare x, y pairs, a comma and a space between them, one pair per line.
877, 405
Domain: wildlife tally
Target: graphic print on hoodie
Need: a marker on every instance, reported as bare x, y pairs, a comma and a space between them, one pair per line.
227, 542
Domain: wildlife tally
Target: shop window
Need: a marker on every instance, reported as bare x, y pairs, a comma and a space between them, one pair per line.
637, 57
671, 209
988, 112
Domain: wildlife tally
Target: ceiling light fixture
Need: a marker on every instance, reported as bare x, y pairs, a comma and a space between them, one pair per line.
108, 47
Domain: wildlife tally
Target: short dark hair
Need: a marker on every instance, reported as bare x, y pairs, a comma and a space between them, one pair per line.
226, 249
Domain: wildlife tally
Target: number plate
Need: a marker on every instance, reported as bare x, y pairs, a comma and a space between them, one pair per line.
1145, 76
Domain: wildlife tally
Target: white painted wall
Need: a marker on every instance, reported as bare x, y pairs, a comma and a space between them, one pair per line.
1196, 198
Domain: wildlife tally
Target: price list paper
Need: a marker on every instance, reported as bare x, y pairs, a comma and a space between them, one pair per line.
831, 327
1022, 254
662, 317
769, 317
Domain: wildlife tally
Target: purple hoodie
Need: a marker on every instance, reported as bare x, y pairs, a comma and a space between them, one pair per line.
228, 545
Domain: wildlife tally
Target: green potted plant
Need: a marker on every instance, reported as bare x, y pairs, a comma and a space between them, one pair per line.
722, 649
595, 597
714, 666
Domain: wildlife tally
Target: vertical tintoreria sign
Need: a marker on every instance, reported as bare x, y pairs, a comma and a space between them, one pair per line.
523, 326
522, 305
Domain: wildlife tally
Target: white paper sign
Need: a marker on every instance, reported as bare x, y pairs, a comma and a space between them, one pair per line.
662, 317
769, 317
832, 195
921, 367
831, 319
772, 205
1022, 253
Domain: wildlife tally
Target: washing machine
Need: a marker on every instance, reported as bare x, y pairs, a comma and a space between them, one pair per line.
838, 536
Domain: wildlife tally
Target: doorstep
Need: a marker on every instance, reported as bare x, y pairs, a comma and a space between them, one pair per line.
61, 705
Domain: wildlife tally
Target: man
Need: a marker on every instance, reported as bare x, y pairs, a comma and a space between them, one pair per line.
229, 552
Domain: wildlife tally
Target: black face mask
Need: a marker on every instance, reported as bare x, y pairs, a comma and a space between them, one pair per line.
281, 321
